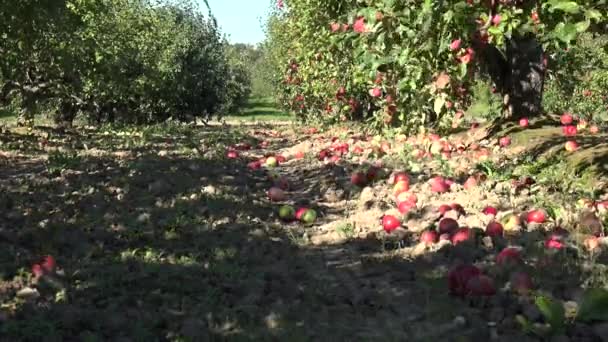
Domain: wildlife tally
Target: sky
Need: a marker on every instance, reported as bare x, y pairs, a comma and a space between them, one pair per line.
240, 20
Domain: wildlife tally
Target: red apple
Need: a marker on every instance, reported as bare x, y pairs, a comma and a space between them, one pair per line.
447, 225
439, 185
37, 270
390, 223
494, 229
571, 146
429, 237
490, 211
566, 119
444, 208
569, 130
508, 257
594, 129
254, 165
524, 122
461, 235
375, 92
232, 154
358, 179
300, 212
504, 141
405, 207
536, 216
48, 264
481, 285
552, 243
459, 276
521, 283
372, 173
455, 44
401, 187
401, 177
470, 183
405, 197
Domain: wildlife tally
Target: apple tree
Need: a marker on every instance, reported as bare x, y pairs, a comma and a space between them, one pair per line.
412, 63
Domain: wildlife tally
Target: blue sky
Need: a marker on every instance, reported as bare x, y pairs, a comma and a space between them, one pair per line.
240, 19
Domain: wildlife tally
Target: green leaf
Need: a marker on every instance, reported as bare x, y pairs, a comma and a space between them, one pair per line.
582, 26
593, 14
553, 312
564, 6
594, 306
565, 32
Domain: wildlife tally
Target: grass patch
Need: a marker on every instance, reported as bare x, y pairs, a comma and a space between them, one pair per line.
260, 109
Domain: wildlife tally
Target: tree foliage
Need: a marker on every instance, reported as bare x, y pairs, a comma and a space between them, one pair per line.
412, 63
132, 61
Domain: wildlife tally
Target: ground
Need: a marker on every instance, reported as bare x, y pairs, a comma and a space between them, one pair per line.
159, 235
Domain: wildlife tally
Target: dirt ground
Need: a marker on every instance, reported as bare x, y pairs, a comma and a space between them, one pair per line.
158, 236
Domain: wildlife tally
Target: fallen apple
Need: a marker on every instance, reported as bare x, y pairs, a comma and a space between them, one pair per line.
406, 206
37, 270
390, 223
536, 216
287, 213
309, 216
566, 119
276, 194
401, 187
571, 146
448, 226
444, 208
504, 141
429, 237
459, 276
494, 229
509, 256
470, 183
439, 185
358, 179
48, 264
461, 235
400, 177
490, 211
480, 286
521, 283
524, 122
300, 212
594, 129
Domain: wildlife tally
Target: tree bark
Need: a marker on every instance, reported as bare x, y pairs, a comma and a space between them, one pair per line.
527, 77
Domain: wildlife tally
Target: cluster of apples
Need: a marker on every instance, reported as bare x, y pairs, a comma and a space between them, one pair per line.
467, 280
46, 266
305, 215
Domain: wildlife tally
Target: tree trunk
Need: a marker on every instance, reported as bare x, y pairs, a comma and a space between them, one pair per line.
519, 76
64, 118
527, 77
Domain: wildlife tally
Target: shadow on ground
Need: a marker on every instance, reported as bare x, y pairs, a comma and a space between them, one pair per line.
170, 246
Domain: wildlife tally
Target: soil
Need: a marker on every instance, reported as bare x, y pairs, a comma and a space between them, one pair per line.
159, 237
